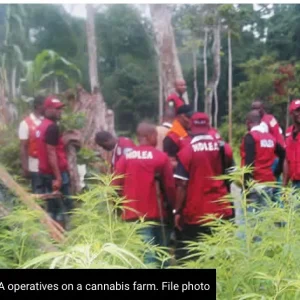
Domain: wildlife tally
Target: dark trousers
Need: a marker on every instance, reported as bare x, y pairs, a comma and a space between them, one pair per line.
58, 208
36, 183
189, 233
155, 235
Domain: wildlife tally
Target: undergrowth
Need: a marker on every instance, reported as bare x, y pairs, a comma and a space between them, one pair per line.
254, 259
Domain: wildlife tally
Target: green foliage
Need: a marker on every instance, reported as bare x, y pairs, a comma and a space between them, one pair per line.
86, 156
98, 238
72, 121
248, 267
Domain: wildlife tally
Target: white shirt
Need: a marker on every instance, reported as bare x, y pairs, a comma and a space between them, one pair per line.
33, 163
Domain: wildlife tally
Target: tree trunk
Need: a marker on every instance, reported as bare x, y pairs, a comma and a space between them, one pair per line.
13, 83
216, 107
4, 111
214, 82
195, 80
205, 69
167, 53
56, 86
160, 86
98, 117
92, 47
287, 121
229, 88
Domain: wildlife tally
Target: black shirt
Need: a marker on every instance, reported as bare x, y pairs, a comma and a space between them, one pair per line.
170, 147
52, 135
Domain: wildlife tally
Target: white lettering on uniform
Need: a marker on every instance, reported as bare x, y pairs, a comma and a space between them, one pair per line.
267, 143
206, 146
137, 154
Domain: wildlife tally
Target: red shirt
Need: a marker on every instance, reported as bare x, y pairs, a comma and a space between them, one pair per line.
123, 146
198, 163
293, 154
139, 185
265, 145
44, 165
175, 100
274, 128
289, 131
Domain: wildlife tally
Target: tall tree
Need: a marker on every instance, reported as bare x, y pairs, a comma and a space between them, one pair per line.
167, 52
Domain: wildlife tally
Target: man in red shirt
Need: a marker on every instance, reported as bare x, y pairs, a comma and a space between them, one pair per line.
119, 145
53, 163
292, 160
141, 167
259, 150
175, 99
197, 191
28, 143
269, 121
179, 132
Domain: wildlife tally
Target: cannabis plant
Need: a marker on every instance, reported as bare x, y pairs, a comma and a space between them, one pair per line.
256, 257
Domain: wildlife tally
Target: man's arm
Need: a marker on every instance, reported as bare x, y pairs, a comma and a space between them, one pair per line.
119, 175
170, 147
52, 139
286, 176
182, 178
249, 145
280, 152
23, 136
169, 182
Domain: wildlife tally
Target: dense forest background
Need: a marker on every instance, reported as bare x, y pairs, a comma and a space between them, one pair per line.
44, 48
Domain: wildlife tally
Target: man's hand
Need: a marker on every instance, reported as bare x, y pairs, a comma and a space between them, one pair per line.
177, 221
56, 184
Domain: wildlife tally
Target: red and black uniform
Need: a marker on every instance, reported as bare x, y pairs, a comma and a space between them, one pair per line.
273, 128
198, 163
259, 150
48, 133
175, 100
141, 167
123, 146
293, 154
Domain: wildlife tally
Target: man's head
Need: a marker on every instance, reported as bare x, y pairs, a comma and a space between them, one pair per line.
53, 108
38, 105
200, 123
147, 134
253, 119
294, 109
259, 106
105, 140
184, 114
180, 86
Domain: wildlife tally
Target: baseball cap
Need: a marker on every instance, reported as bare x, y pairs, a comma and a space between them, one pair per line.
199, 122
185, 109
53, 102
295, 104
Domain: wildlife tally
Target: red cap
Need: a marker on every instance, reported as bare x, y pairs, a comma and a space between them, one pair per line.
199, 122
53, 102
295, 104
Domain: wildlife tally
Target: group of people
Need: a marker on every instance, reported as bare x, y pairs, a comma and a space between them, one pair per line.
169, 175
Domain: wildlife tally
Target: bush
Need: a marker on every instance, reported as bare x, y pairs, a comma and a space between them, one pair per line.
258, 259
97, 239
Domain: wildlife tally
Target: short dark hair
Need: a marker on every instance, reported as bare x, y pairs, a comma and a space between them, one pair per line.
102, 137
38, 101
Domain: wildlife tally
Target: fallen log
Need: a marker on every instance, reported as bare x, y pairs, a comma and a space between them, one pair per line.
56, 230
